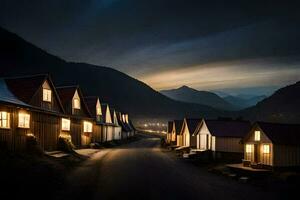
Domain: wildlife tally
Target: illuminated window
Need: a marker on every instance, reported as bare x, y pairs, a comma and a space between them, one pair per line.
248, 148
98, 111
76, 103
257, 135
65, 124
4, 120
266, 148
24, 120
47, 95
87, 127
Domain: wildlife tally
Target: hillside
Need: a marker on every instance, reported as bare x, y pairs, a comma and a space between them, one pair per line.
18, 57
282, 106
243, 102
190, 95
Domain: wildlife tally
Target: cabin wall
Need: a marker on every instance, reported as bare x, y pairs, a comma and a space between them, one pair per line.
286, 156
76, 130
97, 133
46, 128
229, 144
110, 132
117, 133
179, 140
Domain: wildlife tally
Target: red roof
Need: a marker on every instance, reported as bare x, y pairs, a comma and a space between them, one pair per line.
25, 87
66, 94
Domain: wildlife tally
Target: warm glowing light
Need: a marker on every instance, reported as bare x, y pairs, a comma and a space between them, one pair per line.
4, 120
47, 95
266, 148
29, 135
248, 148
257, 135
65, 124
98, 111
24, 120
87, 127
76, 103
146, 125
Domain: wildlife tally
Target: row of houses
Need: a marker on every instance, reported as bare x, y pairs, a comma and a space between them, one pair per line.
32, 106
258, 145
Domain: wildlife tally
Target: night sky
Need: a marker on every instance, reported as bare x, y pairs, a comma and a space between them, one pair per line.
234, 47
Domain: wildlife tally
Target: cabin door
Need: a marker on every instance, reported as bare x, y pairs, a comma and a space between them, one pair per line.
256, 153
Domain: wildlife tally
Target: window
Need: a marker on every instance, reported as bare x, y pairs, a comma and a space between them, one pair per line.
266, 148
98, 111
4, 120
257, 135
24, 120
248, 148
46, 95
87, 127
65, 124
76, 103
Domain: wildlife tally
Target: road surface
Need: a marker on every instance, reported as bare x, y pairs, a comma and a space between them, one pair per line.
141, 170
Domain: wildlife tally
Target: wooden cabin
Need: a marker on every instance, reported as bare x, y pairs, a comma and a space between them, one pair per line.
169, 132
108, 125
124, 128
187, 130
30, 107
178, 127
95, 109
272, 145
117, 130
81, 121
222, 137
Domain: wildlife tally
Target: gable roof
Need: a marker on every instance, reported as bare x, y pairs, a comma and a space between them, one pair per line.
284, 134
192, 124
25, 87
104, 108
121, 123
228, 128
178, 126
170, 126
66, 94
91, 103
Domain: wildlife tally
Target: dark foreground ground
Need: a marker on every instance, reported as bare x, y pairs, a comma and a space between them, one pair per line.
142, 170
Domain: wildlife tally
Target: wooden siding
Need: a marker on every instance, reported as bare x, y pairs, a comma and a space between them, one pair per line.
229, 144
179, 140
76, 131
46, 129
110, 132
286, 156
117, 132
97, 133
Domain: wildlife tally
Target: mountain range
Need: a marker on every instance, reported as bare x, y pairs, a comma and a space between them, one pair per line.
226, 102
19, 57
190, 95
